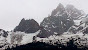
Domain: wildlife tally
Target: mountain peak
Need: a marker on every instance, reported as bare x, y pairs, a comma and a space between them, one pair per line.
28, 26
60, 9
60, 6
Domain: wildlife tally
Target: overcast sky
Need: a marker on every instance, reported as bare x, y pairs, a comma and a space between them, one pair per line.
12, 11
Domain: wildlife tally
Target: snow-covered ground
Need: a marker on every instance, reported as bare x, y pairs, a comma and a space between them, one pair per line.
65, 37
77, 22
28, 38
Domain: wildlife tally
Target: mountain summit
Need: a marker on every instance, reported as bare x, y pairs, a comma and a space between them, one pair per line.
61, 19
28, 26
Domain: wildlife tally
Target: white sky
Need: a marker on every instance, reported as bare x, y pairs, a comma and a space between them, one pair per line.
12, 11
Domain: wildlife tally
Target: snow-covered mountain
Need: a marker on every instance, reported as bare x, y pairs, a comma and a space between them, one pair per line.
61, 19
64, 24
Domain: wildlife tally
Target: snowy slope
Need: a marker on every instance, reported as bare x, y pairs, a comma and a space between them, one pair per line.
28, 38
63, 39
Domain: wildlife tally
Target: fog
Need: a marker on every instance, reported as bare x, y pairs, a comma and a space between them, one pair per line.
12, 11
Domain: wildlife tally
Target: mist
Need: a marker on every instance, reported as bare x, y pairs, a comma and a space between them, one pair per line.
12, 11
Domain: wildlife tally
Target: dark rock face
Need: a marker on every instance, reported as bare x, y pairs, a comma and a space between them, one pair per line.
85, 31
44, 33
58, 22
3, 33
28, 26
73, 29
61, 19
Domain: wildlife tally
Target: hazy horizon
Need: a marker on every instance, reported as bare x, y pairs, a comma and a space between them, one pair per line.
12, 11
